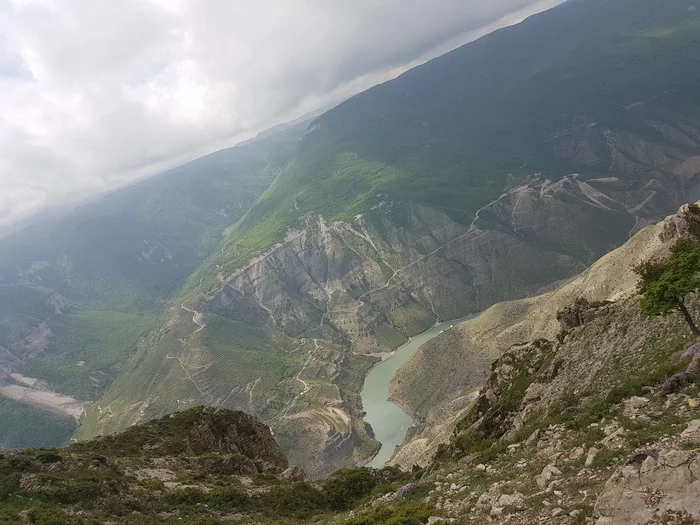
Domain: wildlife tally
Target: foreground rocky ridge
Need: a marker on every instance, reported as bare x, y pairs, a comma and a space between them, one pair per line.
200, 466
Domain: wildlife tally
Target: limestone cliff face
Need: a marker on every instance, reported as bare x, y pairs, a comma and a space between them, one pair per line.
391, 274
401, 266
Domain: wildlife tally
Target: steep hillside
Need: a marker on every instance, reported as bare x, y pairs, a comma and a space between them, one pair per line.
78, 294
483, 176
604, 90
421, 386
583, 429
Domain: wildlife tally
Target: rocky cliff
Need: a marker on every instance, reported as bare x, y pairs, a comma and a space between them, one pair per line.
579, 425
608, 282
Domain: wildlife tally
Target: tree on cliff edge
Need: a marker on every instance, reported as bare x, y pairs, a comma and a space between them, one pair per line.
666, 284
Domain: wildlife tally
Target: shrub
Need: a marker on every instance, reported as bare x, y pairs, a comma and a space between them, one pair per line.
9, 484
299, 500
407, 514
186, 496
348, 486
229, 499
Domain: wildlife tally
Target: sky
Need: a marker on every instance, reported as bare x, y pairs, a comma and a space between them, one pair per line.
97, 93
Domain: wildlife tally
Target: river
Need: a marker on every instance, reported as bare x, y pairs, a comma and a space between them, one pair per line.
387, 420
389, 423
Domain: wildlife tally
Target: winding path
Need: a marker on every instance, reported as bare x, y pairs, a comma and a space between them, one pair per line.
191, 371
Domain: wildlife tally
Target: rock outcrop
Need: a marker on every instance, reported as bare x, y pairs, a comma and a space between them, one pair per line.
196, 432
656, 486
588, 322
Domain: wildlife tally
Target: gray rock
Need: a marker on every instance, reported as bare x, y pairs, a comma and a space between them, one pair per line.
590, 458
577, 454
534, 437
293, 474
634, 405
635, 491
516, 500
692, 433
548, 473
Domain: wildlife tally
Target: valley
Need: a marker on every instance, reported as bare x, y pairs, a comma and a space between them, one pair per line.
388, 421
273, 277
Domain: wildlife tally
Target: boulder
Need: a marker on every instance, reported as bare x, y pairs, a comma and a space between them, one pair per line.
639, 491
692, 433
293, 474
548, 473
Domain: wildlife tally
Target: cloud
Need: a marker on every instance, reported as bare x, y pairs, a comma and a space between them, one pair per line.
96, 93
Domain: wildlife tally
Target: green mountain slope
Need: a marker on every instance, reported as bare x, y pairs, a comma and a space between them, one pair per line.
454, 133
79, 294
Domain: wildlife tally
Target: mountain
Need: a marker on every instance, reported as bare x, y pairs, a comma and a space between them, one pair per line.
483, 176
610, 283
585, 421
580, 428
78, 293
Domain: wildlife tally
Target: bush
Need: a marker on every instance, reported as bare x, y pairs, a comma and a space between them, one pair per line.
408, 514
187, 496
299, 500
51, 516
9, 484
229, 499
347, 486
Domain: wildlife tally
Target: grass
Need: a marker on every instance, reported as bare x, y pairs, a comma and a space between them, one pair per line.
95, 481
401, 514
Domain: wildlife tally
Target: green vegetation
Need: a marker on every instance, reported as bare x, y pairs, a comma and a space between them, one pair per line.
116, 479
456, 132
90, 347
96, 280
665, 285
25, 427
178, 435
403, 514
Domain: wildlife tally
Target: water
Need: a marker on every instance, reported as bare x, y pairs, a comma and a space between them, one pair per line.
387, 420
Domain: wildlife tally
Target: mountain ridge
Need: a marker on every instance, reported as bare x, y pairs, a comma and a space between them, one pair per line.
355, 247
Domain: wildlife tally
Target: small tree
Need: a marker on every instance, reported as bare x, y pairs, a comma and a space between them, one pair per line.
666, 284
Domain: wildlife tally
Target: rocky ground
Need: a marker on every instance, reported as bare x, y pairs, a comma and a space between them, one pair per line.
639, 463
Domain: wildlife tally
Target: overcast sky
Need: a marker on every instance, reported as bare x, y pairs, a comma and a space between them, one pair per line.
94, 93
